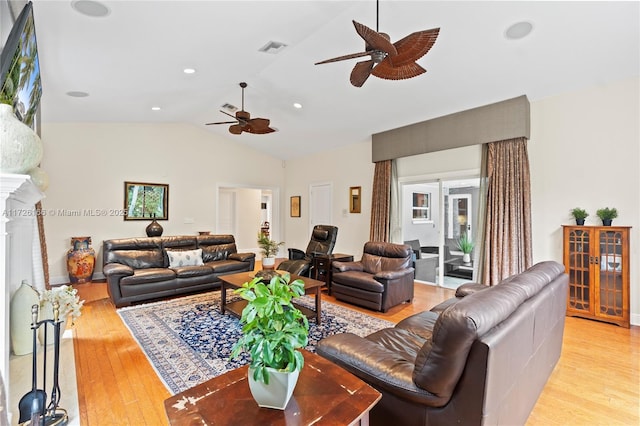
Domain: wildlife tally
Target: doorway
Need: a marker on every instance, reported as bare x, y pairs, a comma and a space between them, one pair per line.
450, 213
244, 211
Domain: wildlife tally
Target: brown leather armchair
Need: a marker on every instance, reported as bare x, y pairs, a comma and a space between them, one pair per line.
381, 280
323, 239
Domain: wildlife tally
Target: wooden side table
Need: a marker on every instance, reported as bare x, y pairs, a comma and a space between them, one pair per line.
322, 266
324, 391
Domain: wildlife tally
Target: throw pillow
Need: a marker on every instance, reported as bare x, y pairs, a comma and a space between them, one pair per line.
185, 258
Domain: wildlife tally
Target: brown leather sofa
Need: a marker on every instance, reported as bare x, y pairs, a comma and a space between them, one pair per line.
383, 278
481, 358
139, 269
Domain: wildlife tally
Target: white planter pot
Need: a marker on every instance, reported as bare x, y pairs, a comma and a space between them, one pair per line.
268, 262
466, 258
279, 390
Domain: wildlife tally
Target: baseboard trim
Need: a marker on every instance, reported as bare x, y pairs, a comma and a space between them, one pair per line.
64, 279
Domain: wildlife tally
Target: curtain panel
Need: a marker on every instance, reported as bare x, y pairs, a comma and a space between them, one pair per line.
507, 245
380, 202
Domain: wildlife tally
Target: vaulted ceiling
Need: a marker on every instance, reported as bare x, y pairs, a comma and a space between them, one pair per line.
133, 58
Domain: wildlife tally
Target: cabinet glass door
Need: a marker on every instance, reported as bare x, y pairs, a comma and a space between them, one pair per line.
610, 297
579, 287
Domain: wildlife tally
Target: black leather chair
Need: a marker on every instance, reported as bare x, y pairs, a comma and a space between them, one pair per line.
382, 279
323, 239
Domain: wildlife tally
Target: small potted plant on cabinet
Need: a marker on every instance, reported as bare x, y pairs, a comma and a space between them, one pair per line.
579, 215
269, 249
273, 331
466, 247
607, 215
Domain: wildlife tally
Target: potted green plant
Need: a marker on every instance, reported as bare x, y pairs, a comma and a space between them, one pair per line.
579, 215
273, 331
466, 247
269, 249
607, 215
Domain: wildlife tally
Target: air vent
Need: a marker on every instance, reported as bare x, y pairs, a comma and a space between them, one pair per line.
230, 107
272, 47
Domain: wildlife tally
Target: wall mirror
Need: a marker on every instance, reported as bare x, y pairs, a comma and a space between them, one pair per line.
143, 201
354, 199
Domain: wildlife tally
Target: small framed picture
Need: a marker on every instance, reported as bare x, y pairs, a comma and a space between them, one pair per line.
354, 199
295, 206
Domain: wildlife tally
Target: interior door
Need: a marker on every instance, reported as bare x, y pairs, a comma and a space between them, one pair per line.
226, 211
459, 217
320, 205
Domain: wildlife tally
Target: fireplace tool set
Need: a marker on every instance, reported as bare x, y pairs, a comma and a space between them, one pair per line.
33, 405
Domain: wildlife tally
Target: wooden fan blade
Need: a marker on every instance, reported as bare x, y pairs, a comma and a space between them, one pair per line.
414, 46
236, 129
387, 71
374, 39
342, 58
361, 72
258, 126
230, 115
221, 122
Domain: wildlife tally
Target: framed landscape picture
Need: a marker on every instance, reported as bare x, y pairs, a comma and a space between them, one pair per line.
144, 201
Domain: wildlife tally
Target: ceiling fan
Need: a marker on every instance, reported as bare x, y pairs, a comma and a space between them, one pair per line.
243, 121
391, 61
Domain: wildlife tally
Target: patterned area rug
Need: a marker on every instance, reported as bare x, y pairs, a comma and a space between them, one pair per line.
188, 340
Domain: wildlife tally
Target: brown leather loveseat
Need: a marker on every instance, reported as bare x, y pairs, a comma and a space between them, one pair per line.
480, 358
139, 269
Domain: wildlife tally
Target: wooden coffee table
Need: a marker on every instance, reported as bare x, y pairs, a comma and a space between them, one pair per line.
326, 394
233, 281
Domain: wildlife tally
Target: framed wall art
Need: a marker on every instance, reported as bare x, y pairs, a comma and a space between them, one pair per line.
295, 206
144, 201
354, 199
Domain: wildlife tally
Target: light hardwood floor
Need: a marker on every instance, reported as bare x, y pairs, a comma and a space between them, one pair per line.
596, 381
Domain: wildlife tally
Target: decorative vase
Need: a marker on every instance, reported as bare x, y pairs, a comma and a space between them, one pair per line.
20, 329
466, 258
580, 222
46, 312
279, 390
268, 262
606, 222
81, 260
20, 146
154, 229
40, 178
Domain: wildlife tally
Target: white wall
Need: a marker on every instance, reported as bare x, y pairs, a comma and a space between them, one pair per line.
585, 151
343, 167
88, 164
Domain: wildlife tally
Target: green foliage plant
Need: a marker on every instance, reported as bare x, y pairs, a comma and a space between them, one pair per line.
465, 244
579, 213
607, 213
273, 329
268, 246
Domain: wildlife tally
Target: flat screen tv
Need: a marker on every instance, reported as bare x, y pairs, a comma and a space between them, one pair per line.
20, 70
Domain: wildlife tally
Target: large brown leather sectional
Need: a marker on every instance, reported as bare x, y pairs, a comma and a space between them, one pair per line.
138, 269
480, 358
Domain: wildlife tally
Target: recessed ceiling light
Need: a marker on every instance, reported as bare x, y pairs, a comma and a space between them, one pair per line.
90, 8
189, 70
77, 94
518, 30
156, 108
297, 105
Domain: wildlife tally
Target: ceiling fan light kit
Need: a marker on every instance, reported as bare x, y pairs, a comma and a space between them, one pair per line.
243, 121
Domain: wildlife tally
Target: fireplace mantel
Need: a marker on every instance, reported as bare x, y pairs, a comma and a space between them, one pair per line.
20, 256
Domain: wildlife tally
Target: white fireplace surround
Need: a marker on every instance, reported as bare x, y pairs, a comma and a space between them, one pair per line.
20, 255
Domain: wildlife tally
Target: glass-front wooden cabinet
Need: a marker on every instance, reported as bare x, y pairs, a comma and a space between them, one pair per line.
596, 259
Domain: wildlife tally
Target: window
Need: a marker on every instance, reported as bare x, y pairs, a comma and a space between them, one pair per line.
421, 207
